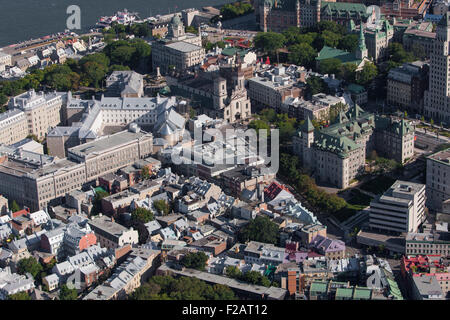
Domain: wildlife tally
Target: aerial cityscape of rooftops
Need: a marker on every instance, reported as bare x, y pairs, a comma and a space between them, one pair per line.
262, 150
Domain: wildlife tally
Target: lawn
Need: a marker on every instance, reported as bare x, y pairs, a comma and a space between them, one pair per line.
378, 185
356, 203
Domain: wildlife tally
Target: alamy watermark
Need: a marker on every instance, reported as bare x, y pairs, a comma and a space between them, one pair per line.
74, 19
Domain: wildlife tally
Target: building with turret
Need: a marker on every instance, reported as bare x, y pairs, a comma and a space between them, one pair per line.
178, 50
337, 154
437, 97
359, 57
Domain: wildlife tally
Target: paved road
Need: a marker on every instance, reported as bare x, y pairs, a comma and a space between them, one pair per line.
430, 140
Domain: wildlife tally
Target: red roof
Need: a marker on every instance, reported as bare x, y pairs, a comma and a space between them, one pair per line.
274, 189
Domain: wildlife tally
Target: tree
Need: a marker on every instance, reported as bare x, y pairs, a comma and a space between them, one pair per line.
195, 260
348, 72
330, 38
418, 51
330, 66
348, 43
145, 173
269, 41
23, 295
302, 54
398, 53
367, 74
315, 85
233, 272
67, 294
182, 288
29, 265
142, 215
14, 207
260, 229
162, 207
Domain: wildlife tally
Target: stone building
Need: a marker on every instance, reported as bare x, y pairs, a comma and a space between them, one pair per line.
42, 110
336, 154
406, 85
13, 126
438, 177
179, 50
128, 84
36, 180
437, 97
216, 96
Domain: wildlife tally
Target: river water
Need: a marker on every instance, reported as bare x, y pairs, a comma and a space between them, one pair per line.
25, 19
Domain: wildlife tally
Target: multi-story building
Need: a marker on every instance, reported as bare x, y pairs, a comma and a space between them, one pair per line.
438, 177
400, 209
406, 86
263, 253
34, 179
343, 12
336, 154
178, 50
218, 97
437, 97
435, 243
419, 36
5, 61
128, 84
43, 110
277, 16
318, 108
89, 118
273, 88
111, 234
13, 126
378, 37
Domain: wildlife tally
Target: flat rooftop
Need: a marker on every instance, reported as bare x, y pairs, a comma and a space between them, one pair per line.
105, 143
442, 157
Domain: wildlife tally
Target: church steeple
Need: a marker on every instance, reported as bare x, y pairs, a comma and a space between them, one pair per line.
361, 51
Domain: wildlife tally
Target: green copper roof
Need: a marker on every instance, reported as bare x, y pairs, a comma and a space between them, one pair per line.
401, 127
344, 293
318, 287
344, 56
361, 40
362, 294
307, 126
355, 88
355, 10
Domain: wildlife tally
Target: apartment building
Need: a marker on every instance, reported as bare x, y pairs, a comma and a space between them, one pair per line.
273, 88
318, 108
437, 97
179, 50
400, 209
434, 243
263, 253
42, 110
406, 85
438, 179
13, 126
112, 235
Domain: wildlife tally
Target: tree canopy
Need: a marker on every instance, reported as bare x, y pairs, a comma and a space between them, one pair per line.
29, 265
67, 294
195, 260
182, 288
269, 41
260, 229
142, 215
